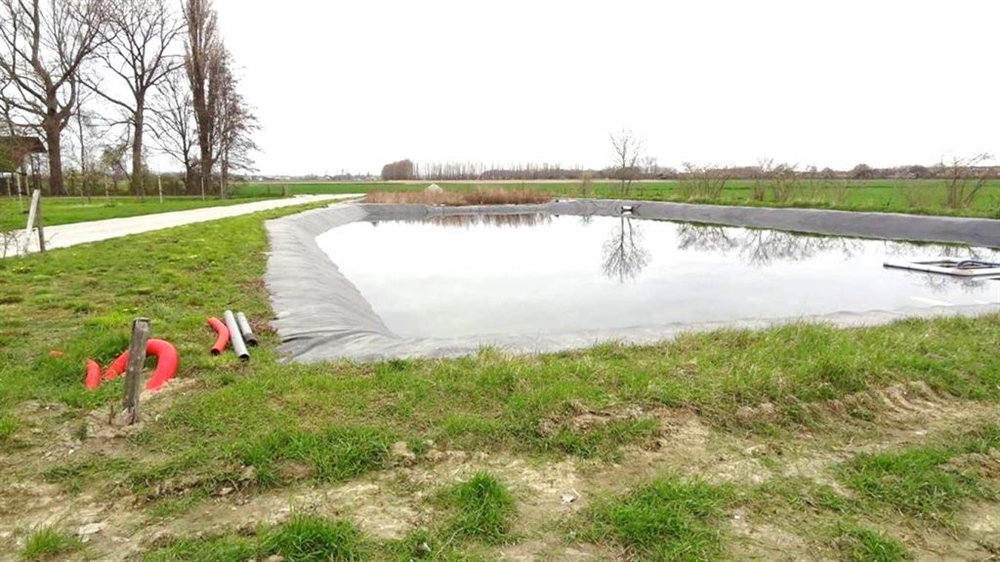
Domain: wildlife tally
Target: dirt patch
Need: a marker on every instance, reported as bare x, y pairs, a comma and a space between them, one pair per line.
531, 551
756, 539
984, 465
393, 503
983, 524
577, 417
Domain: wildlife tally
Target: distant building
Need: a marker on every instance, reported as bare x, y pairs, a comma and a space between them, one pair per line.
13, 151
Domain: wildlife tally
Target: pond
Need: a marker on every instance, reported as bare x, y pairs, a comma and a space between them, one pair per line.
541, 275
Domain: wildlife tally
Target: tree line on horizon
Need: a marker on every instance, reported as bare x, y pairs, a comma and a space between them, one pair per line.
648, 169
99, 81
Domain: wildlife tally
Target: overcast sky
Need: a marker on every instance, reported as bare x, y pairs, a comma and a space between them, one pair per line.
351, 85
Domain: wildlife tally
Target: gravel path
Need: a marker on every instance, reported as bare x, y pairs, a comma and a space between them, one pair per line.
64, 235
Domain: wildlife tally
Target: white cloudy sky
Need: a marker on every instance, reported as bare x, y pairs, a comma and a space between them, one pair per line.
351, 84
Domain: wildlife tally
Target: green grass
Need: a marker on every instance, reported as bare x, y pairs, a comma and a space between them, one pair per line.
312, 539
917, 482
66, 210
666, 519
46, 543
859, 544
336, 453
334, 421
926, 197
8, 426
482, 509
287, 424
308, 538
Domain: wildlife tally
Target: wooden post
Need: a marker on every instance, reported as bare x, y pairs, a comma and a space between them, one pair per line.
29, 228
40, 223
159, 187
133, 372
20, 202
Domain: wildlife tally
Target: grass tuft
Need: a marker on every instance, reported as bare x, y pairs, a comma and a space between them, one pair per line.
303, 538
45, 543
204, 549
8, 426
667, 519
919, 481
334, 454
313, 539
483, 509
859, 544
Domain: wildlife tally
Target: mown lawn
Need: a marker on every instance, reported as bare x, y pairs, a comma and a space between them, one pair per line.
66, 210
336, 422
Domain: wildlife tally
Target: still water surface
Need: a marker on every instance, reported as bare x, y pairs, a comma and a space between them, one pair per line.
540, 275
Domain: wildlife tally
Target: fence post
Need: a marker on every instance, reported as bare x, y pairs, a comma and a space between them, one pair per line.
29, 228
41, 224
133, 372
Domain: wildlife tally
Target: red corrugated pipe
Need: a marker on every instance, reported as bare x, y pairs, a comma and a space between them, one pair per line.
93, 379
166, 364
221, 329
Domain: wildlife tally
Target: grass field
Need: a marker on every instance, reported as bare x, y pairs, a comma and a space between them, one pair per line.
901, 196
800, 441
897, 196
66, 210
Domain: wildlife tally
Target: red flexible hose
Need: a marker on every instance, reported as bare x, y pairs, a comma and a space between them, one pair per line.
166, 363
223, 338
93, 378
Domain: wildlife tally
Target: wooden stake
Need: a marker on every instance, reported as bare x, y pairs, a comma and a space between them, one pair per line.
41, 225
29, 228
133, 372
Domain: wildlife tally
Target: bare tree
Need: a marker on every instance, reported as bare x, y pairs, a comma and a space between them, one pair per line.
173, 124
624, 255
964, 178
236, 124
781, 179
43, 49
704, 182
203, 62
627, 151
138, 40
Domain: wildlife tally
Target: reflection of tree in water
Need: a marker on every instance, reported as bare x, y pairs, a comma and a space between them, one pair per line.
910, 249
511, 220
942, 283
761, 247
706, 238
624, 255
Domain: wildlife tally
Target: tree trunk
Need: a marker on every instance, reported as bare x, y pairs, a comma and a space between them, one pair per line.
224, 175
206, 161
190, 181
53, 139
137, 176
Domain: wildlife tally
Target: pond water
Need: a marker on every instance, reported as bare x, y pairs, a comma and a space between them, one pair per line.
540, 275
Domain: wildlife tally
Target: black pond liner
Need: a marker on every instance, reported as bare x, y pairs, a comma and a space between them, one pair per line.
321, 315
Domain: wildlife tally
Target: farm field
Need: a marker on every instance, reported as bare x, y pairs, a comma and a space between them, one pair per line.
926, 197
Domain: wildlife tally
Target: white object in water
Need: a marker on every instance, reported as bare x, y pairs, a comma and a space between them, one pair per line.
949, 266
